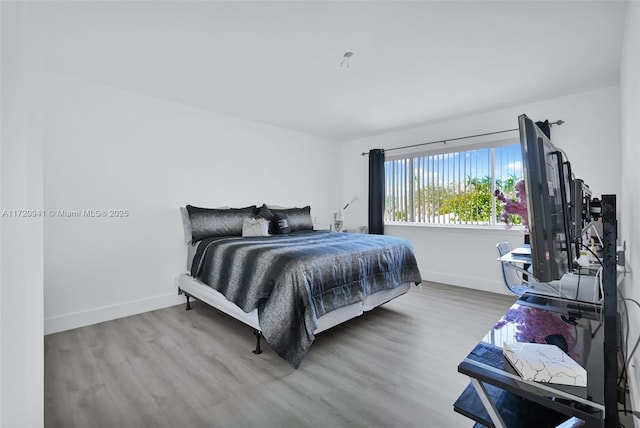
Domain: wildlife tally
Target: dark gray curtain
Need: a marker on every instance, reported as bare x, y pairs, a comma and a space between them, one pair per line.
544, 127
376, 191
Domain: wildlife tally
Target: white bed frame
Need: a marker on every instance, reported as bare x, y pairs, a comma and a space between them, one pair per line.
192, 287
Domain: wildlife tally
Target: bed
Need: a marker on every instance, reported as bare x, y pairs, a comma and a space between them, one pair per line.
289, 286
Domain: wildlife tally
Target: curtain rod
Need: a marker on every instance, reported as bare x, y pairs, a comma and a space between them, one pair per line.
557, 122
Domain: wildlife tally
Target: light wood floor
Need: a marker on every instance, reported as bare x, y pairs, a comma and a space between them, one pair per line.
392, 367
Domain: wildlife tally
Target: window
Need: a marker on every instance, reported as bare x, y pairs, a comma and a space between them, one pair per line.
452, 187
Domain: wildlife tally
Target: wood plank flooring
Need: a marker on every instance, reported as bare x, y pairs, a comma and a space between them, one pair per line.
392, 367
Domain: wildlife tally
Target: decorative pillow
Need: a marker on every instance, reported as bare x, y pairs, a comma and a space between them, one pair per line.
255, 227
299, 218
209, 222
186, 225
265, 213
281, 224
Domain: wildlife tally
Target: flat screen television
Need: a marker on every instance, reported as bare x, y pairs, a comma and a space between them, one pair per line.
547, 203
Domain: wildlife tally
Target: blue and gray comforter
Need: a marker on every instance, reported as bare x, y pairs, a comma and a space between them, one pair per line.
294, 279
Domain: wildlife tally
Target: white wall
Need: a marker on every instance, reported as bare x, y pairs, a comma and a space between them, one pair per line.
466, 257
630, 194
21, 259
107, 148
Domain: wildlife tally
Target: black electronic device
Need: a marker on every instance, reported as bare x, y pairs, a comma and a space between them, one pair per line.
547, 203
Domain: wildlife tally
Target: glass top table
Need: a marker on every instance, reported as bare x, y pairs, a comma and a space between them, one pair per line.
498, 396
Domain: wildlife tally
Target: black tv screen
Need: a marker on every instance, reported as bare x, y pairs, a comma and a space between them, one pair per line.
547, 204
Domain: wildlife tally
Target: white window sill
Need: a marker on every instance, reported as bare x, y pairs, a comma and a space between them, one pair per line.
454, 227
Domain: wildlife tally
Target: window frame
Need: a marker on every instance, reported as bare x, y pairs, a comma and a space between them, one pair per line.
448, 148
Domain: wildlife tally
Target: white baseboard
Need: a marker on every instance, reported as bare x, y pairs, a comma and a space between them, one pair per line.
464, 281
110, 312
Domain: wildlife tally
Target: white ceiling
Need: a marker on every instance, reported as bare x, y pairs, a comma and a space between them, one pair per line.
279, 62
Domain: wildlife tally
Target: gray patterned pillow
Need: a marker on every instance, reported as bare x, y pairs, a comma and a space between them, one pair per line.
299, 218
186, 225
266, 213
255, 227
211, 222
